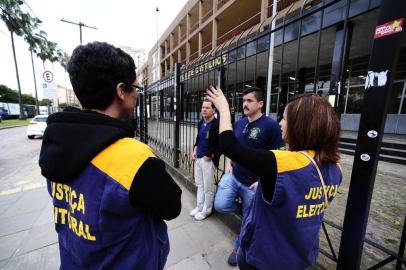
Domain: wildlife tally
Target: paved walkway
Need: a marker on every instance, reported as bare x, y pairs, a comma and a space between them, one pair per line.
28, 239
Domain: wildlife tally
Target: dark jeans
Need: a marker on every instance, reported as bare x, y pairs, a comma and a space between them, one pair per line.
242, 263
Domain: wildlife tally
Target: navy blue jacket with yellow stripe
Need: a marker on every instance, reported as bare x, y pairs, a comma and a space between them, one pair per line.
111, 194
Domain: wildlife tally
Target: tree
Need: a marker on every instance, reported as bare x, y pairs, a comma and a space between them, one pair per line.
18, 23
8, 95
45, 102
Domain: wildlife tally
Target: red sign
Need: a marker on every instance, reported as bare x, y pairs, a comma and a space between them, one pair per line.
389, 28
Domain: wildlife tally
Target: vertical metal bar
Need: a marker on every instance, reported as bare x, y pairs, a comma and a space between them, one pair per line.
329, 242
317, 65
148, 113
299, 39
401, 246
347, 90
340, 56
270, 59
381, 71
142, 119
176, 125
220, 77
279, 112
403, 97
345, 51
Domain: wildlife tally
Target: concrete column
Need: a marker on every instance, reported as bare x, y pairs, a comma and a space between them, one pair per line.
264, 10
166, 47
214, 34
187, 25
200, 12
179, 34
187, 51
179, 56
171, 43
200, 44
171, 63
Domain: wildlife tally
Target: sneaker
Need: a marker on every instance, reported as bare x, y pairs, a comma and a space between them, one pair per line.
201, 215
194, 212
232, 259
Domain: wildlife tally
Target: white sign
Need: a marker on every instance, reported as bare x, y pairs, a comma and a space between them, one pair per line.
49, 86
48, 76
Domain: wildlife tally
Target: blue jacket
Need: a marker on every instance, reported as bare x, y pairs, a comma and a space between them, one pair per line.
283, 233
108, 209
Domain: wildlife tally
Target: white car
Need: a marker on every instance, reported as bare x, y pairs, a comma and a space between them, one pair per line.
37, 126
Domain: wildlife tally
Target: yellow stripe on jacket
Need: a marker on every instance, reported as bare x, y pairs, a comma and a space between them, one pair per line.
122, 160
291, 160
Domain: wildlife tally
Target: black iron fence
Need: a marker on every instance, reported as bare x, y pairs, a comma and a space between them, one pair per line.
321, 48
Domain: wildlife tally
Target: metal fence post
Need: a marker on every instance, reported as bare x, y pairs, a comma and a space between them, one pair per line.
177, 109
142, 112
381, 70
146, 107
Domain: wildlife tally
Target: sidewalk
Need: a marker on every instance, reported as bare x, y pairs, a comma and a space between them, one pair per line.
28, 239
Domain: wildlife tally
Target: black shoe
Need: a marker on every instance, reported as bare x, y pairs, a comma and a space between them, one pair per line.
232, 259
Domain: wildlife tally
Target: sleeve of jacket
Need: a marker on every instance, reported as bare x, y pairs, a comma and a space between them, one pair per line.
214, 148
155, 190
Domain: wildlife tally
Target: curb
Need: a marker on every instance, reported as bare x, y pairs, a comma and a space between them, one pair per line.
232, 221
13, 126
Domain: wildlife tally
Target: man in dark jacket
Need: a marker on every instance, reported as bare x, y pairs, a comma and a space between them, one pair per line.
110, 193
206, 156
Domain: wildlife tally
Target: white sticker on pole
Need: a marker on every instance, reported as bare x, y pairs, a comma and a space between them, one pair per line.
365, 157
376, 79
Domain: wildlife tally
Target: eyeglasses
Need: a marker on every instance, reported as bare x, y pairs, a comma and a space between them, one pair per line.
138, 88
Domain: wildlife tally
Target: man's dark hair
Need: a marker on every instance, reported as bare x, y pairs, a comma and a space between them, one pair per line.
95, 70
258, 93
212, 104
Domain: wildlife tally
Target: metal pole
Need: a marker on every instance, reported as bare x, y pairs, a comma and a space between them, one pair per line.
35, 84
270, 62
80, 30
176, 124
80, 24
378, 86
402, 97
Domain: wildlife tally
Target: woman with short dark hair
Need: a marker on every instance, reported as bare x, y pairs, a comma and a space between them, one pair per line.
281, 230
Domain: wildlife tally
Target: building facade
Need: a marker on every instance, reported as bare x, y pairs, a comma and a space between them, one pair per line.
319, 46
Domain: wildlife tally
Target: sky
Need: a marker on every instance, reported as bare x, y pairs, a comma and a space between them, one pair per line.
121, 23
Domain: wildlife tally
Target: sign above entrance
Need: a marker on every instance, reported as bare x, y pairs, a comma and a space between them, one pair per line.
389, 28
215, 62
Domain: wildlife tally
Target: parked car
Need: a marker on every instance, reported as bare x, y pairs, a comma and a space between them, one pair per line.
37, 126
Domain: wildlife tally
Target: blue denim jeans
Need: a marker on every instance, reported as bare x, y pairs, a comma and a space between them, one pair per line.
229, 189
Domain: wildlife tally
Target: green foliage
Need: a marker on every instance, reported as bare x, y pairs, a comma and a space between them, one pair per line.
9, 95
45, 102
17, 21
27, 99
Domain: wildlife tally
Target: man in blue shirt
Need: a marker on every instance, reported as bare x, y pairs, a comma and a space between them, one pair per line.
206, 155
255, 131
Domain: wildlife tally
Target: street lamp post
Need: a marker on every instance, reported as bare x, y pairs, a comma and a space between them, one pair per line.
157, 50
80, 24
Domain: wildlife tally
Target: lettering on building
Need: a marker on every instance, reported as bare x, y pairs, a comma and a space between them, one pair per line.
215, 62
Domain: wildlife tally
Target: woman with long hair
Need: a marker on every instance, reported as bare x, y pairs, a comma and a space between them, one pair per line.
281, 230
